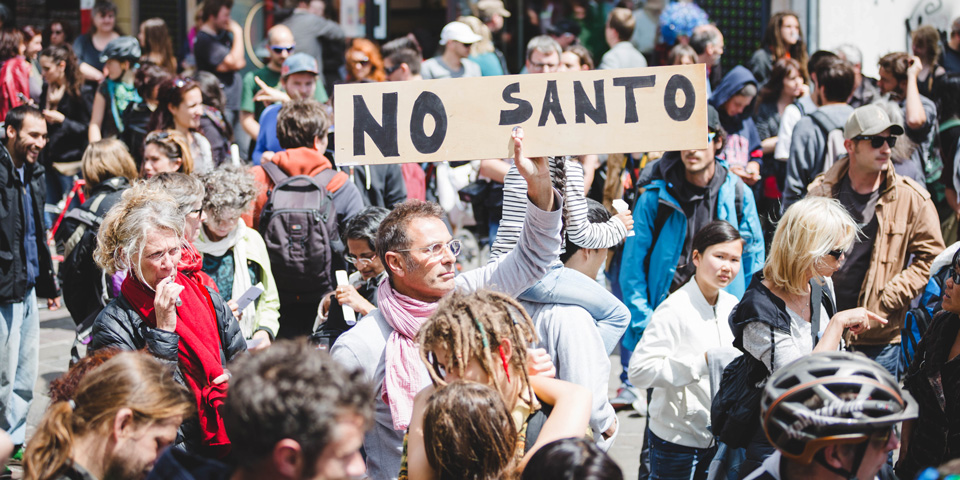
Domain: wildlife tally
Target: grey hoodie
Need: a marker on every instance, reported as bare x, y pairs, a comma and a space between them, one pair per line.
807, 149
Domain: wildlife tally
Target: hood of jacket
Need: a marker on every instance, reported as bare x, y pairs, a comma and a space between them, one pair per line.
732, 83
301, 161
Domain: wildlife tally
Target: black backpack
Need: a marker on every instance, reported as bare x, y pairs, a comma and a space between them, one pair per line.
135, 119
299, 226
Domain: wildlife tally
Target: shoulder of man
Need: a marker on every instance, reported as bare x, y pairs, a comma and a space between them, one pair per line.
912, 186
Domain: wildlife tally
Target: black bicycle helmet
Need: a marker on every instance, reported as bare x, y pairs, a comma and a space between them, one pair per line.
122, 48
828, 399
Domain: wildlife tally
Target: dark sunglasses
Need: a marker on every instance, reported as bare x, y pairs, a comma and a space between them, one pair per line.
278, 49
835, 253
56, 32
389, 70
877, 141
362, 61
955, 275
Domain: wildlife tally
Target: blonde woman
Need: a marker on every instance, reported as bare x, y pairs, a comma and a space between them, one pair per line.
773, 323
483, 52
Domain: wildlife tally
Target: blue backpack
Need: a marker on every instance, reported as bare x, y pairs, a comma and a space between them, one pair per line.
918, 318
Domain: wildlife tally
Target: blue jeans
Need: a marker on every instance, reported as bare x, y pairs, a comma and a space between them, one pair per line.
669, 461
570, 287
19, 363
888, 356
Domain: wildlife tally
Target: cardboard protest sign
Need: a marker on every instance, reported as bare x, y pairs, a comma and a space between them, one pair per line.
570, 113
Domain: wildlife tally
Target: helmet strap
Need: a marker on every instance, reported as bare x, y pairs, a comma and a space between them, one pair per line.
858, 454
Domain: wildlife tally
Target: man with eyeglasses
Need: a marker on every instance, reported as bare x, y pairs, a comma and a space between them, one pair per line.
419, 254
889, 263
280, 45
455, 38
950, 58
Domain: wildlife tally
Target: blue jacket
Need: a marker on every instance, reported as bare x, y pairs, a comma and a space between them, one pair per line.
644, 288
267, 139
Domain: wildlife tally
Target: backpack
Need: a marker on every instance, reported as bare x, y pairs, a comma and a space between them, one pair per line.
918, 318
833, 133
299, 227
735, 408
135, 119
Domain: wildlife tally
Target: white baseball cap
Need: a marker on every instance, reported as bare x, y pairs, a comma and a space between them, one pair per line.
458, 32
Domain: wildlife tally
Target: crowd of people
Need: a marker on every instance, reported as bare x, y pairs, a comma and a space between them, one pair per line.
781, 302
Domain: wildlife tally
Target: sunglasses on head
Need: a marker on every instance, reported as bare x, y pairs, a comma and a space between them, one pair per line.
877, 141
278, 49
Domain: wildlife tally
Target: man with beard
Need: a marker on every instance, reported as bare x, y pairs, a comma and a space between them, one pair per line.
26, 270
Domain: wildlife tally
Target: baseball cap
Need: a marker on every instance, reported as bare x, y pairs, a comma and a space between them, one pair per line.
458, 32
488, 8
869, 120
713, 119
299, 63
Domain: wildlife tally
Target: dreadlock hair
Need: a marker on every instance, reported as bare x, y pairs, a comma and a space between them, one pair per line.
473, 325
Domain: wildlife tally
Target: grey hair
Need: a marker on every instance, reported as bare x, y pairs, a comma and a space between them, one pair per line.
543, 43
228, 188
185, 189
122, 236
704, 35
850, 53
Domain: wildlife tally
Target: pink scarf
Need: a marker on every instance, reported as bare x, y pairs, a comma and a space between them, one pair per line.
401, 381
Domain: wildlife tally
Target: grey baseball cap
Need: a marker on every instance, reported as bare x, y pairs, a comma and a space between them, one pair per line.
869, 120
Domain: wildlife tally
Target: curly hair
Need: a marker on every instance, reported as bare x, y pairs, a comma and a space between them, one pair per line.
472, 325
469, 434
228, 189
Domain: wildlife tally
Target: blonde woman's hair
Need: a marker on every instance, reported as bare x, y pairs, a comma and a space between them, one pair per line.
122, 236
485, 45
106, 159
807, 232
133, 380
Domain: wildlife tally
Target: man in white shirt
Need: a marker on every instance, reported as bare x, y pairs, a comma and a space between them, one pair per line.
456, 38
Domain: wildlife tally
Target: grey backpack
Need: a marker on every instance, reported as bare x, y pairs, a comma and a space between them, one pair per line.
299, 226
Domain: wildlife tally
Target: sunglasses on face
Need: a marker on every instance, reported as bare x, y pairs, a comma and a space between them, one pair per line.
955, 276
389, 70
836, 254
711, 136
362, 61
877, 141
56, 32
278, 49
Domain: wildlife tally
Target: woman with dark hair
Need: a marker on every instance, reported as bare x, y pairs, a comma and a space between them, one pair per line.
783, 39
180, 107
57, 33
213, 124
572, 459
90, 46
671, 357
948, 107
468, 433
136, 117
783, 89
156, 44
14, 71
925, 44
364, 62
165, 151
66, 107
33, 41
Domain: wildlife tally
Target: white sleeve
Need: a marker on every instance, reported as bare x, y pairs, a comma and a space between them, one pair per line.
579, 229
660, 360
757, 342
791, 115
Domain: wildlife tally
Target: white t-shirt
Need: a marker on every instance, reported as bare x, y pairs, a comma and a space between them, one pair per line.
434, 68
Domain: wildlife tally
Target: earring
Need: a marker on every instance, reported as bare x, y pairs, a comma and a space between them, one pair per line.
503, 357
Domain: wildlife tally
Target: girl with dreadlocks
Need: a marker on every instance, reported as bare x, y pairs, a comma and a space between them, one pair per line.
482, 337
563, 285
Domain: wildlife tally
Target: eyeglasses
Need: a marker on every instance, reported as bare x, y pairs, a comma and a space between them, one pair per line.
836, 253
278, 49
876, 141
362, 61
711, 136
360, 262
389, 70
544, 66
56, 32
196, 212
955, 276
436, 249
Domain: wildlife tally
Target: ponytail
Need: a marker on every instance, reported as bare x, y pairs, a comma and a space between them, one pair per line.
49, 450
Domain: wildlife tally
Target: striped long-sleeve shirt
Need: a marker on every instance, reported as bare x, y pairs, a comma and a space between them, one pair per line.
578, 229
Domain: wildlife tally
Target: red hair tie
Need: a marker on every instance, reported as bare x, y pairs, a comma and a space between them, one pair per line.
504, 358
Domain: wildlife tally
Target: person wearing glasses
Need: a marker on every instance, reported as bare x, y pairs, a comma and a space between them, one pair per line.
419, 255
889, 264
857, 407
280, 46
456, 38
364, 62
298, 81
56, 34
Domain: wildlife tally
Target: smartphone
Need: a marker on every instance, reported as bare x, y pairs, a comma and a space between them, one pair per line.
349, 315
250, 295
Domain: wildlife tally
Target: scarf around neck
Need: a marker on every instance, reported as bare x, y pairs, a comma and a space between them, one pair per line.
241, 275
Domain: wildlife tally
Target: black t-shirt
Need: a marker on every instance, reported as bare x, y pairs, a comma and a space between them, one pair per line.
209, 51
848, 280
86, 52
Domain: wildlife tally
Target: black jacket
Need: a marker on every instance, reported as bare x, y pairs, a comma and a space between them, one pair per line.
67, 141
119, 325
13, 261
379, 185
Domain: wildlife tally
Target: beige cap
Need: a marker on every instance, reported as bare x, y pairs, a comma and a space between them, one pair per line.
487, 8
869, 120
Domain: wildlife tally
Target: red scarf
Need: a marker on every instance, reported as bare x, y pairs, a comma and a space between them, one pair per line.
199, 351
191, 265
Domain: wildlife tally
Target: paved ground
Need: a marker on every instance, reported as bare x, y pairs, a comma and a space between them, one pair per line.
56, 337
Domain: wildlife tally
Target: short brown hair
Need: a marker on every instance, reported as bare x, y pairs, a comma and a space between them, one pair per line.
896, 64
299, 122
106, 159
392, 234
621, 21
211, 8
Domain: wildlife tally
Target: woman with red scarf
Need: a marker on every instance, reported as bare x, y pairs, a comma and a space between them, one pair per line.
166, 310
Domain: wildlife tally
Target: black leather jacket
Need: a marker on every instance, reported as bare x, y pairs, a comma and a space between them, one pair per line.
13, 261
119, 325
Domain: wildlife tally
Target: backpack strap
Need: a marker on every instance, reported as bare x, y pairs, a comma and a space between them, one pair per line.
325, 177
953, 122
816, 297
276, 174
823, 121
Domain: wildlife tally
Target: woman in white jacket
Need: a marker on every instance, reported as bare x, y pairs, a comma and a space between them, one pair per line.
671, 356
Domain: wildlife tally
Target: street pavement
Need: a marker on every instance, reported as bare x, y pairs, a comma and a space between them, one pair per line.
57, 334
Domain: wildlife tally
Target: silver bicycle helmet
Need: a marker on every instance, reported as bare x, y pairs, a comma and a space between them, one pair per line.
830, 398
122, 48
